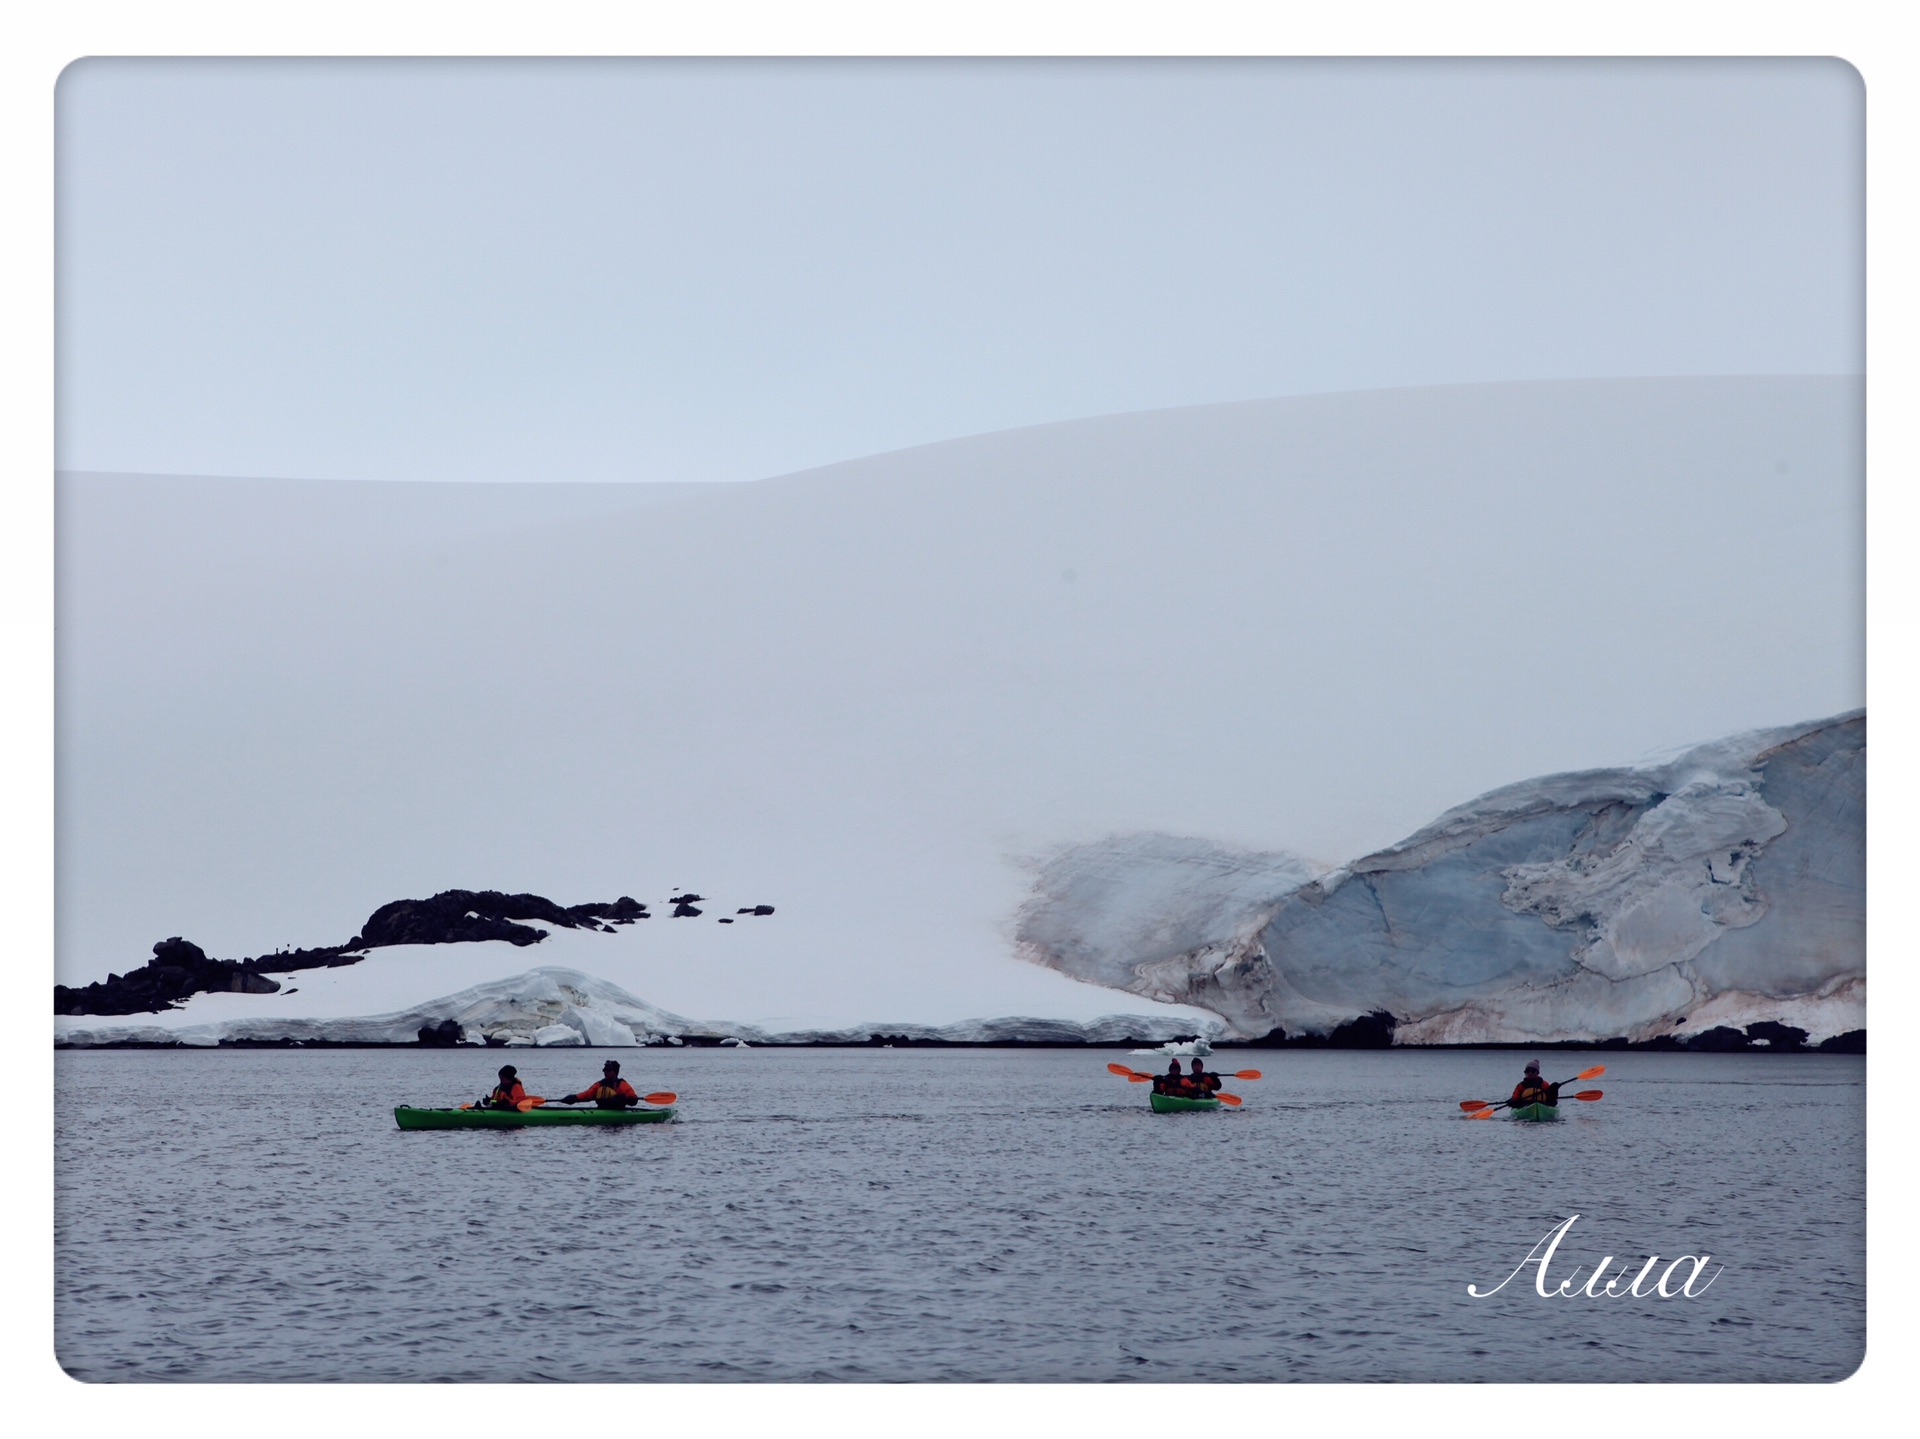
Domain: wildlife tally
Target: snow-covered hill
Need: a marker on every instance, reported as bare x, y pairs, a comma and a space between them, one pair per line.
1724, 887
873, 695
489, 991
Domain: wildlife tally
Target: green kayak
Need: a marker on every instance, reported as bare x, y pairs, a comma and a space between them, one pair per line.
1535, 1111
410, 1118
1173, 1104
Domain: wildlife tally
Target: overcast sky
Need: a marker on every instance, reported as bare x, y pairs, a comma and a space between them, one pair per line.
674, 270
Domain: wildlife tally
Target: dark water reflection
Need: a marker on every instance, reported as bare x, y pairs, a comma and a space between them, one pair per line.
947, 1215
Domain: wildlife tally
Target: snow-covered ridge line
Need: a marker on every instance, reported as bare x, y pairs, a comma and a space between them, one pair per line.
1722, 888
558, 1006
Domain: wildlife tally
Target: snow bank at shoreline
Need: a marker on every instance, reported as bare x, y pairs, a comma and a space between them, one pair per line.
555, 1006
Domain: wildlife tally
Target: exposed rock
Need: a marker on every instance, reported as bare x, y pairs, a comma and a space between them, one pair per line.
445, 1034
180, 968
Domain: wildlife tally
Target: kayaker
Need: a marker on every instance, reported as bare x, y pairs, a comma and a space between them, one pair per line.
507, 1094
1532, 1089
610, 1091
1203, 1081
1172, 1082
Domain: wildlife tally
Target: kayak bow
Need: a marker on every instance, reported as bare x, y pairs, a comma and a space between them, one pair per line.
1174, 1104
1535, 1111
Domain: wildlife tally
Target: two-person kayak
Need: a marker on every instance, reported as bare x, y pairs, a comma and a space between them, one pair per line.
1176, 1093
1534, 1100
410, 1118
509, 1106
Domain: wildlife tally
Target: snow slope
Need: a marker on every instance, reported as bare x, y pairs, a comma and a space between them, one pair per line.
874, 695
489, 988
1726, 886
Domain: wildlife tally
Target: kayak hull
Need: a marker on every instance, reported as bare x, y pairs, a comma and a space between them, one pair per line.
410, 1118
1535, 1112
1174, 1104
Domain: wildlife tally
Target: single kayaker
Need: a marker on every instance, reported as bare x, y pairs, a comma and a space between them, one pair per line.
609, 1091
1172, 1082
1532, 1089
507, 1094
1204, 1082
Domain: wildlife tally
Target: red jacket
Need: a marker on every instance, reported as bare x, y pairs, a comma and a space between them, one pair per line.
505, 1098
601, 1091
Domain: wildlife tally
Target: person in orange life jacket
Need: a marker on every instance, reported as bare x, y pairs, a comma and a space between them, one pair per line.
1533, 1090
507, 1094
610, 1091
1204, 1084
1172, 1082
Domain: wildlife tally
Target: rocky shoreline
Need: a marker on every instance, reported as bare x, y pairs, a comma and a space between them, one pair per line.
1713, 1041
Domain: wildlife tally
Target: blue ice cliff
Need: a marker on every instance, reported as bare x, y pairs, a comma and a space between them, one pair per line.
1725, 887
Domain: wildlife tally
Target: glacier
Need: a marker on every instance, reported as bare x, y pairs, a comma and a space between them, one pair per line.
1296, 628
1724, 886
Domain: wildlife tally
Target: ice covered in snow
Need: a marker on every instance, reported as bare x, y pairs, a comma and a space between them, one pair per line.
553, 1006
1187, 1049
1724, 886
866, 695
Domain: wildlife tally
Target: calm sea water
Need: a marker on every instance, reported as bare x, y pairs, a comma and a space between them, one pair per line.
949, 1215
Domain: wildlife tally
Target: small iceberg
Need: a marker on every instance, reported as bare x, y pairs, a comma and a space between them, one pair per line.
1179, 1049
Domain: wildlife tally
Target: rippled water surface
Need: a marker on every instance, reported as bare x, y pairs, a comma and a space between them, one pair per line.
949, 1215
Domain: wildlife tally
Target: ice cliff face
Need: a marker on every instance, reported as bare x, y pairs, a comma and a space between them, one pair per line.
1726, 886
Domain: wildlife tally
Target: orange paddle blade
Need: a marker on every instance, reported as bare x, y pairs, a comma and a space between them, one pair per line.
1246, 1074
1227, 1098
1590, 1094
665, 1096
1594, 1073
1139, 1079
1119, 1069
1486, 1113
529, 1102
1471, 1104
466, 1106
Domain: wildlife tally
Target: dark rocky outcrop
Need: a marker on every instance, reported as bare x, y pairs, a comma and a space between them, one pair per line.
460, 916
1369, 1031
1376, 1030
443, 1035
180, 968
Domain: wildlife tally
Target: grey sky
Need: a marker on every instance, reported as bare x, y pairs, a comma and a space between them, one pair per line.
677, 270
